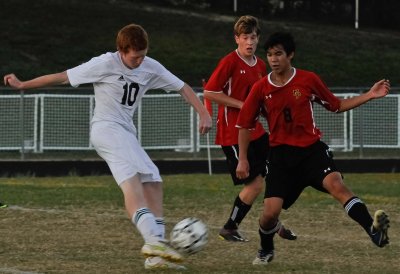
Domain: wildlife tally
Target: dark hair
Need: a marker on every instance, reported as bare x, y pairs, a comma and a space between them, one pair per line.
281, 38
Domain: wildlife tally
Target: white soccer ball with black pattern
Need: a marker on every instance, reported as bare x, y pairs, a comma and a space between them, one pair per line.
189, 236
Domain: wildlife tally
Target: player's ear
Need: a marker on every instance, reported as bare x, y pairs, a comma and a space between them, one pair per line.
236, 39
291, 56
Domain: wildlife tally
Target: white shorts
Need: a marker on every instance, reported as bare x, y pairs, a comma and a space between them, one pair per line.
119, 147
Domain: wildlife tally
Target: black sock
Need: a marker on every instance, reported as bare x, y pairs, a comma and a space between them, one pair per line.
267, 236
239, 211
358, 211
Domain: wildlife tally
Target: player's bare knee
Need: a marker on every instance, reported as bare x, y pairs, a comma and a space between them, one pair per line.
269, 217
267, 222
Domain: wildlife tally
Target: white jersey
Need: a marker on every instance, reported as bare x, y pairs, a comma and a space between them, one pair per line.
119, 89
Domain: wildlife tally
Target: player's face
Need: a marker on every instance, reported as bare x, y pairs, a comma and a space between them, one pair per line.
132, 59
278, 60
247, 43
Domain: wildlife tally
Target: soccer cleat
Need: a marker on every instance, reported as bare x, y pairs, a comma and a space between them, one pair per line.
286, 233
161, 249
263, 257
160, 263
3, 205
379, 229
231, 235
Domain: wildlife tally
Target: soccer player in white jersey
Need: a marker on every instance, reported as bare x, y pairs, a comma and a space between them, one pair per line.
120, 80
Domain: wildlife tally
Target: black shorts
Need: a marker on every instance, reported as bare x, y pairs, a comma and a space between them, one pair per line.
257, 156
290, 169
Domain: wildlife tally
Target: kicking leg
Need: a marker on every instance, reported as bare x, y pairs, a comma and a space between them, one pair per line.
376, 228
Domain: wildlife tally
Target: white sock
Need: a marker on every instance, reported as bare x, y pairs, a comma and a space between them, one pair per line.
145, 222
160, 227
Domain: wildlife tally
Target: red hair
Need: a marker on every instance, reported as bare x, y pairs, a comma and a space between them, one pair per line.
132, 37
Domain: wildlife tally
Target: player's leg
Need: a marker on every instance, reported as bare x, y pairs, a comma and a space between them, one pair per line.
324, 169
153, 193
269, 226
241, 206
145, 221
377, 227
282, 190
252, 187
128, 161
258, 153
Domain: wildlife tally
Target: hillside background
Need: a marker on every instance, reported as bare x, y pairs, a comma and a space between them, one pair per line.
42, 36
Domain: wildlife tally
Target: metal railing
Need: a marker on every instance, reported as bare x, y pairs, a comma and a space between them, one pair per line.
44, 121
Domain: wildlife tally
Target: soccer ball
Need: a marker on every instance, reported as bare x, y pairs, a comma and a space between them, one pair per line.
189, 236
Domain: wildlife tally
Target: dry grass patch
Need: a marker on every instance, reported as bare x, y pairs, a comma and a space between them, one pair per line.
95, 236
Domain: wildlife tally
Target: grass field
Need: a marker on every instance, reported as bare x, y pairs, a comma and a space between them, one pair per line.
78, 225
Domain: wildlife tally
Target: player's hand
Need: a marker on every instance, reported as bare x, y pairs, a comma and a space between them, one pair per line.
380, 89
12, 81
205, 124
242, 169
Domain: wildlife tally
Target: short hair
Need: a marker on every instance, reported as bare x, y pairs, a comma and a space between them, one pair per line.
132, 37
246, 24
281, 38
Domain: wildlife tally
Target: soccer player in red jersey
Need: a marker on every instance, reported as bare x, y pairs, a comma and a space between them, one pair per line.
228, 86
298, 158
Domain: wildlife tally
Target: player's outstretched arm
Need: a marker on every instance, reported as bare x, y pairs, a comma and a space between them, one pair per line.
205, 123
55, 79
378, 90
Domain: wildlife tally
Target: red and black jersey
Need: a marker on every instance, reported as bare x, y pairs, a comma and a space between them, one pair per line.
289, 108
234, 77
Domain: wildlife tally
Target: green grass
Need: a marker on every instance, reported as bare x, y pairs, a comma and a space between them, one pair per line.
43, 36
78, 225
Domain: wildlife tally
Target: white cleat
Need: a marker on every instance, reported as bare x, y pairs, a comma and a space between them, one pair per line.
263, 257
160, 263
161, 249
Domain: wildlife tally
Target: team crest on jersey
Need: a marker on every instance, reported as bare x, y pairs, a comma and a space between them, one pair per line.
260, 75
296, 93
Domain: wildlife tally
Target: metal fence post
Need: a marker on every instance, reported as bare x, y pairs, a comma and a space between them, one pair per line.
21, 123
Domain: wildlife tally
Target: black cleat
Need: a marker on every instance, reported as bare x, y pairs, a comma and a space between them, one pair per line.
379, 229
286, 233
231, 235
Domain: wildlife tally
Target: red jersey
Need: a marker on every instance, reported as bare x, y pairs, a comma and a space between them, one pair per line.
235, 78
289, 108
